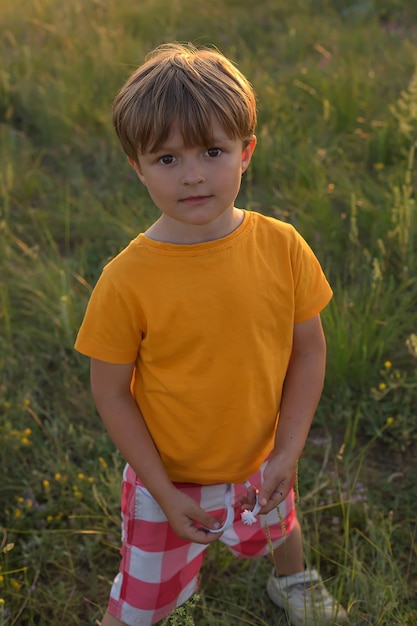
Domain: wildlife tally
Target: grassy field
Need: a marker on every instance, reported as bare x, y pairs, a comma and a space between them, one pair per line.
337, 87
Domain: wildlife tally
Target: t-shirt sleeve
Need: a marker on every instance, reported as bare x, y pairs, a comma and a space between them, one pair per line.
111, 330
312, 290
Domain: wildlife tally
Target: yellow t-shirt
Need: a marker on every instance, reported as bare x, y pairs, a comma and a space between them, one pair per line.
210, 328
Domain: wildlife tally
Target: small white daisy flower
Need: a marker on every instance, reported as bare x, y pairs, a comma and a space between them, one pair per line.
248, 517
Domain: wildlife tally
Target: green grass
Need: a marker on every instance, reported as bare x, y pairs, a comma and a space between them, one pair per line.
337, 91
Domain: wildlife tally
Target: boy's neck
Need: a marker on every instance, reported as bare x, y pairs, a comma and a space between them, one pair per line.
169, 230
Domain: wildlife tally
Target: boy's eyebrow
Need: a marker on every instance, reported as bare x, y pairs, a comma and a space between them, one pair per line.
164, 148
222, 139
173, 148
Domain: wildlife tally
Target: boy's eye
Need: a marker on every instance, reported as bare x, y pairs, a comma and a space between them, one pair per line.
167, 159
214, 152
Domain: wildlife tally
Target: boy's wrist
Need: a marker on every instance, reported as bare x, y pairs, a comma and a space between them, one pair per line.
285, 456
164, 495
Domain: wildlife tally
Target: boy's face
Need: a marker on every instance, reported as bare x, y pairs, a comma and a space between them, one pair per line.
195, 188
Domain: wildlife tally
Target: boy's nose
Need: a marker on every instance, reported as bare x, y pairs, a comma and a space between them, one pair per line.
192, 174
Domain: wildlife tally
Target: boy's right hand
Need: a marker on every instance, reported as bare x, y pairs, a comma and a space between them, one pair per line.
184, 513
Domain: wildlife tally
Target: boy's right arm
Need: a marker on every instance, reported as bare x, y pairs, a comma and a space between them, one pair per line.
110, 384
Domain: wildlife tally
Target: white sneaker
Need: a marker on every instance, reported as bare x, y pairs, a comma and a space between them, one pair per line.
305, 599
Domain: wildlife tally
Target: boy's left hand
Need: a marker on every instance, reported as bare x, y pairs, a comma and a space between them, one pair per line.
279, 477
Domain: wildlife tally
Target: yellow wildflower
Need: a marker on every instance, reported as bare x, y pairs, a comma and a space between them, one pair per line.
8, 548
382, 386
15, 584
58, 476
102, 462
387, 365
80, 476
390, 421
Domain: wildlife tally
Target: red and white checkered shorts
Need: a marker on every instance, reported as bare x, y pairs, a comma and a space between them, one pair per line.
159, 571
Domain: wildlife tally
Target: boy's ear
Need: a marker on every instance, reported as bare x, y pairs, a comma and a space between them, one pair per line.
247, 153
138, 170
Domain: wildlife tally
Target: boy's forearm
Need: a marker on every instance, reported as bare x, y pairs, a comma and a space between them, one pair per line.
130, 434
301, 394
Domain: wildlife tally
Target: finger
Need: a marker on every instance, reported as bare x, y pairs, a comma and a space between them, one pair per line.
270, 506
270, 493
201, 535
248, 499
207, 521
196, 534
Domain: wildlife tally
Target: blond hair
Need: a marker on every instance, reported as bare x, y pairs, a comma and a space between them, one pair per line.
188, 86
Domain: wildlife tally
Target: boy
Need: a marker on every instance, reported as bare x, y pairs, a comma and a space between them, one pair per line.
207, 352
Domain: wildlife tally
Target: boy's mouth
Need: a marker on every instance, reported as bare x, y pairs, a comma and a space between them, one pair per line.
195, 199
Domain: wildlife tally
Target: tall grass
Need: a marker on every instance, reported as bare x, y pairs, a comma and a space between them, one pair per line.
337, 134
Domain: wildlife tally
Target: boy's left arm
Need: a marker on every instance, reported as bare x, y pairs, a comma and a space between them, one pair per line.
301, 394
